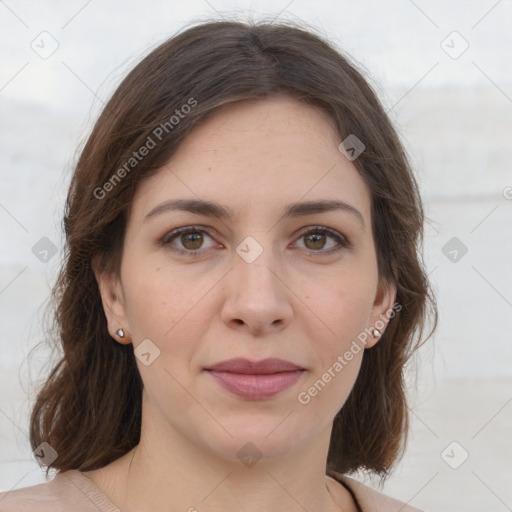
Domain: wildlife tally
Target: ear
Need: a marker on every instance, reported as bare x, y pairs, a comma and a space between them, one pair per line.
382, 309
113, 302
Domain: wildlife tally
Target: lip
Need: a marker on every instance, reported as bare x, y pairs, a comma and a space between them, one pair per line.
256, 380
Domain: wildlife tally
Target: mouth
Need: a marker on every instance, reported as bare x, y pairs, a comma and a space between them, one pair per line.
256, 380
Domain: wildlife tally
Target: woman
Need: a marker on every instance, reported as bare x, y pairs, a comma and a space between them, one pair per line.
242, 287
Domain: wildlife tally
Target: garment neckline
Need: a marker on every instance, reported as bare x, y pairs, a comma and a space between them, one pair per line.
341, 480
78, 477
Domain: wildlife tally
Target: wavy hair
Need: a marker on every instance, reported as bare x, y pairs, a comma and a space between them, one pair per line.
89, 408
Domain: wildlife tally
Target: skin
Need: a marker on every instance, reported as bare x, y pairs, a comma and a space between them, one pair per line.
297, 301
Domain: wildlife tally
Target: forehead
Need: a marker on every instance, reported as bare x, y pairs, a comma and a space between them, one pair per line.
258, 155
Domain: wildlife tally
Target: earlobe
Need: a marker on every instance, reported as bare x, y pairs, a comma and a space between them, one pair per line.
113, 303
382, 311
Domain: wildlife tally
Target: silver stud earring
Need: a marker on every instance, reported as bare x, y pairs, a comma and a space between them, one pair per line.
120, 333
375, 333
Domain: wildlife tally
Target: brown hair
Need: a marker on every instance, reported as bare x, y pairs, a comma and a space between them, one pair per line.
89, 409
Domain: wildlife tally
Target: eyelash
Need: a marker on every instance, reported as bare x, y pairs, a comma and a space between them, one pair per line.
342, 241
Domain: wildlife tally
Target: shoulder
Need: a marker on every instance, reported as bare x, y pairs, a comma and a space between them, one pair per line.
69, 491
370, 500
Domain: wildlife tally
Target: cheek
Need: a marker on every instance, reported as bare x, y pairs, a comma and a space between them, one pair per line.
337, 353
342, 305
166, 306
156, 296
150, 305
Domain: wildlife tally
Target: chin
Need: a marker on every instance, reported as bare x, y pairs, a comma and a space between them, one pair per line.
264, 437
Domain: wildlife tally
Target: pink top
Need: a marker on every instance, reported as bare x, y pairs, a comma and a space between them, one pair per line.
72, 491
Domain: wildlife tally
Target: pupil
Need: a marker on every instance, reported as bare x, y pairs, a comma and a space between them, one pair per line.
193, 238
316, 239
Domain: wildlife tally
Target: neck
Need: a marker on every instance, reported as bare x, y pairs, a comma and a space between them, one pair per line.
167, 470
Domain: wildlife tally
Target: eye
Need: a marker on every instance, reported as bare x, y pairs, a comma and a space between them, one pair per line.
315, 240
191, 239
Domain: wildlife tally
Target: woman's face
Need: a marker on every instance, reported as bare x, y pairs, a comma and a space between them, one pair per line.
263, 281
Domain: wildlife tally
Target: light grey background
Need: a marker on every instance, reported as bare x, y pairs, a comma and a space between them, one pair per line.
454, 115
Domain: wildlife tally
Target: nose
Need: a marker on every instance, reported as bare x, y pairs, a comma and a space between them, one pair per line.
257, 296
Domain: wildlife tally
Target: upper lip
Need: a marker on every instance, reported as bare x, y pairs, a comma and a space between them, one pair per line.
263, 367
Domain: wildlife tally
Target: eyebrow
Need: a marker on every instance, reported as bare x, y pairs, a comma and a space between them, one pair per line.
216, 210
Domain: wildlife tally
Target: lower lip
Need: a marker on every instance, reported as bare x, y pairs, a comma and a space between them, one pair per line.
257, 387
